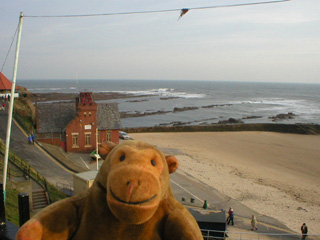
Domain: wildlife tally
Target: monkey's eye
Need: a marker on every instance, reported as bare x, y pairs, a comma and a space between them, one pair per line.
153, 162
123, 157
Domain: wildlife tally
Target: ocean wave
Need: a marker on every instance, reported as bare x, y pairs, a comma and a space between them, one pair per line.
46, 90
162, 92
298, 106
270, 101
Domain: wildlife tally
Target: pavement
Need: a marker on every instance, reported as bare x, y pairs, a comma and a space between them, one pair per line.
58, 167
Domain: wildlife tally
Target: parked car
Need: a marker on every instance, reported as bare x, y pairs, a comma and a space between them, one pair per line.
124, 135
93, 155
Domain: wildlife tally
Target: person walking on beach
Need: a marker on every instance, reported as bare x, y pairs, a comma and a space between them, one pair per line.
3, 106
230, 217
254, 223
304, 231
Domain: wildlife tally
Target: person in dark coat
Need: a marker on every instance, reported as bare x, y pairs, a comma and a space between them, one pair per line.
33, 138
205, 204
304, 231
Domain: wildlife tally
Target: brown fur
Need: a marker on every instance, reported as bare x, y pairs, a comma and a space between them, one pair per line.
130, 199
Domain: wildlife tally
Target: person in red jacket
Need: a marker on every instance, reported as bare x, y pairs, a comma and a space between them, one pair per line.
230, 217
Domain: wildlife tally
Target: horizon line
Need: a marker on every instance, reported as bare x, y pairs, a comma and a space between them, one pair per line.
135, 79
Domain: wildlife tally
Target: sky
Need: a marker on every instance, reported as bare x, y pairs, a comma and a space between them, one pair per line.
277, 42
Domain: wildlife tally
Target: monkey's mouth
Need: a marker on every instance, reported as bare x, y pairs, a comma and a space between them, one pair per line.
132, 203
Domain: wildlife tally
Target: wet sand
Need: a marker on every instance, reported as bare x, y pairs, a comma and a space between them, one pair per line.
272, 173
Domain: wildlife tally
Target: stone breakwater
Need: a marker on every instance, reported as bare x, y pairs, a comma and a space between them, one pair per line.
312, 129
130, 114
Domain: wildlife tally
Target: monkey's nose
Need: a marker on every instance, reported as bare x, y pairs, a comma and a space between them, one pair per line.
131, 185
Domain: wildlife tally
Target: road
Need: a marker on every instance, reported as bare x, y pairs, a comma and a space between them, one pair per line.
33, 154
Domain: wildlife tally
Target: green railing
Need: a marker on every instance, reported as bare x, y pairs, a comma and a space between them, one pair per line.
28, 170
27, 126
232, 235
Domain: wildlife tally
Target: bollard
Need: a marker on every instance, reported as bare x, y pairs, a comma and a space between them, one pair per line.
3, 226
2, 208
24, 213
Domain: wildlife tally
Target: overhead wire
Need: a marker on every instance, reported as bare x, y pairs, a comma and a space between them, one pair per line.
183, 11
155, 11
5, 60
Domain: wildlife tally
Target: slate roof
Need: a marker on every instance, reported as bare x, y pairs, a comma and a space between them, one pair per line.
108, 116
55, 116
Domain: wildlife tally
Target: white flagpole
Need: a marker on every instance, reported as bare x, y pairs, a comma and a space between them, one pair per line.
6, 156
97, 150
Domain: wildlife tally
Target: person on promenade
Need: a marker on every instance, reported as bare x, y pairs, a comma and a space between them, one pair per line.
304, 231
205, 204
254, 223
33, 138
230, 217
29, 139
3, 106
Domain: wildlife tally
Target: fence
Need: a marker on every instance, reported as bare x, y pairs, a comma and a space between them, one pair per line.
213, 234
22, 122
27, 170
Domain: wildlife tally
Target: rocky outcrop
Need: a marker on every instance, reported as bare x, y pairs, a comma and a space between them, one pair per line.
168, 98
176, 109
252, 117
230, 121
140, 114
216, 105
283, 116
139, 100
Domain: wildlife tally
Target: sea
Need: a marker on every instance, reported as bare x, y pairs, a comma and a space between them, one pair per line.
178, 102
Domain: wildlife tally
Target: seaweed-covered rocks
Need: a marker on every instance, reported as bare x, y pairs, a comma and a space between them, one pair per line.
283, 116
231, 121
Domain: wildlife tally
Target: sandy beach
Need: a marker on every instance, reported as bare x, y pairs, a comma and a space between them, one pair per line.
274, 174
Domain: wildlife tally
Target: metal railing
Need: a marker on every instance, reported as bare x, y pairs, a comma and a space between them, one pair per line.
214, 234
29, 172
22, 122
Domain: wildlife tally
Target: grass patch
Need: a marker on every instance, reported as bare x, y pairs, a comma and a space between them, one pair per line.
12, 207
55, 194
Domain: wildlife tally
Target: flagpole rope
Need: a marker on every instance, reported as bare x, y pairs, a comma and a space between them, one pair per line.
13, 38
156, 11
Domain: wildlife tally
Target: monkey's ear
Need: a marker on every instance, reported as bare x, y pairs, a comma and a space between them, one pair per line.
105, 148
173, 163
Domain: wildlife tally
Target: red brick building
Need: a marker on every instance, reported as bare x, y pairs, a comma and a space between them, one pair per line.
75, 125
